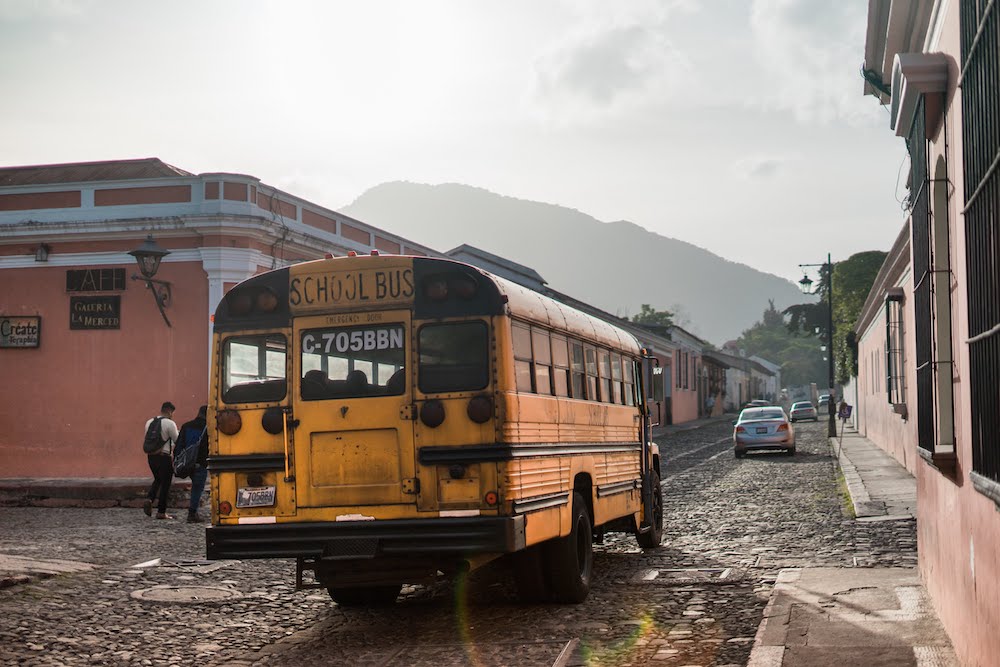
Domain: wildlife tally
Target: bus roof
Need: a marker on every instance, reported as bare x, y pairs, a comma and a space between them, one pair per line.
532, 306
240, 308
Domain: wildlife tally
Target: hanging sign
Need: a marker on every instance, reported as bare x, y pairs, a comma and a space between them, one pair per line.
20, 331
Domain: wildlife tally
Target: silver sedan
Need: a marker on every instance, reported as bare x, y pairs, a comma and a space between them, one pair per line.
763, 428
803, 410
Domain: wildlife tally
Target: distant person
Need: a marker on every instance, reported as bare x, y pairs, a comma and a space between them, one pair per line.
161, 462
196, 431
709, 405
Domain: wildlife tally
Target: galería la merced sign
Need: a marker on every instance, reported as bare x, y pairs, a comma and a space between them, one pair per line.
95, 312
25, 331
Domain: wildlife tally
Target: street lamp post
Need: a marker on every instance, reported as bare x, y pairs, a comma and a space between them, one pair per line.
806, 285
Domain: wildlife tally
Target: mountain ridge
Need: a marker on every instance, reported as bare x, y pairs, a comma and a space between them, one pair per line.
714, 297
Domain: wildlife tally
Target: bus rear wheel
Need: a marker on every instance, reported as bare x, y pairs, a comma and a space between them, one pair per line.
652, 538
570, 560
364, 596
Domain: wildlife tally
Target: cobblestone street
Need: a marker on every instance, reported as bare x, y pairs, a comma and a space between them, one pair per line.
731, 525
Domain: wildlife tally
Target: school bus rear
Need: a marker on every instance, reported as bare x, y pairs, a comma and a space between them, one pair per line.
334, 383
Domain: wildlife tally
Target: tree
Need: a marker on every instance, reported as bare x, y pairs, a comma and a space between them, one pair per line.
852, 280
798, 353
649, 315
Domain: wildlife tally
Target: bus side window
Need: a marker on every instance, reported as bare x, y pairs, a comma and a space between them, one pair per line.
590, 354
577, 370
521, 339
630, 371
616, 379
604, 357
542, 350
560, 366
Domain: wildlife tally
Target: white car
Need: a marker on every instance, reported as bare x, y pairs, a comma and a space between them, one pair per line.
763, 428
803, 410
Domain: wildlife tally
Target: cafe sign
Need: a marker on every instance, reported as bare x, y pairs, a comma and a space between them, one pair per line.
95, 312
20, 331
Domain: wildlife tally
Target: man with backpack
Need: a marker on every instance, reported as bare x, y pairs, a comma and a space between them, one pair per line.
158, 443
194, 437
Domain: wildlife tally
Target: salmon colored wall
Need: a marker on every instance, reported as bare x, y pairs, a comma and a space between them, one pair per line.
876, 419
26, 201
685, 401
958, 528
75, 406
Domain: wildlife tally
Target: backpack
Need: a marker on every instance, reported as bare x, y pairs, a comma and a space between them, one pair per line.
186, 452
153, 442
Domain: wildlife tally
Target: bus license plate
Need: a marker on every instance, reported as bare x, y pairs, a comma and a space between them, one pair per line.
255, 496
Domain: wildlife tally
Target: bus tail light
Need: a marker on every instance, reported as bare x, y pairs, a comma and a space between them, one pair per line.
480, 409
432, 413
267, 301
491, 498
464, 287
239, 303
229, 422
436, 289
273, 420
225, 507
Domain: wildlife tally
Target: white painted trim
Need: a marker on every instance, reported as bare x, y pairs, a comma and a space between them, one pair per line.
914, 75
90, 259
938, 15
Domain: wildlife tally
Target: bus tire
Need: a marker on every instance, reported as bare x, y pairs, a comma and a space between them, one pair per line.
570, 560
364, 596
652, 539
529, 575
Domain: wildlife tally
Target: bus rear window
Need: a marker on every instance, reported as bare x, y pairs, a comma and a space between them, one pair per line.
454, 357
353, 362
254, 369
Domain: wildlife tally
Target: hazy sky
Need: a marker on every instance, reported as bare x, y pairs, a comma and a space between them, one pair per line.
737, 125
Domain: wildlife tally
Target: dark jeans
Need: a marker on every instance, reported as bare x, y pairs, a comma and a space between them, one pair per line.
162, 467
198, 478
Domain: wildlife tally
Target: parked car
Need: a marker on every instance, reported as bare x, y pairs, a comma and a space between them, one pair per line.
757, 403
803, 410
763, 428
824, 400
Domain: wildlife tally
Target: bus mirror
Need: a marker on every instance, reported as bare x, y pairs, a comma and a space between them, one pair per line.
656, 384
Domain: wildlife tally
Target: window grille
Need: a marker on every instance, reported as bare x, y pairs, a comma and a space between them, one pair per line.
920, 226
894, 360
980, 83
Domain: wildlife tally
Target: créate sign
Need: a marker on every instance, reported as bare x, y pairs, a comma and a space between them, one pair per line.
20, 331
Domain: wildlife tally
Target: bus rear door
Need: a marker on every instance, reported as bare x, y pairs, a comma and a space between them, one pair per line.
354, 439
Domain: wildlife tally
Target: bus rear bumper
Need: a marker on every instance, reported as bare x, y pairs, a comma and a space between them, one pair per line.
354, 540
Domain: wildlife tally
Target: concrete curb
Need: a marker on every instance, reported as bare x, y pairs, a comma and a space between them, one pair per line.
860, 497
85, 492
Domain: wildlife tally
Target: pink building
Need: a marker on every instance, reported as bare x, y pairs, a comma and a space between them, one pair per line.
86, 355
886, 382
936, 362
690, 380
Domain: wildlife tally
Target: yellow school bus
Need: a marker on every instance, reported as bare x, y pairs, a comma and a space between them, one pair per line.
391, 419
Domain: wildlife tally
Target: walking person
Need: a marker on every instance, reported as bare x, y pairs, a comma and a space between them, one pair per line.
195, 434
161, 462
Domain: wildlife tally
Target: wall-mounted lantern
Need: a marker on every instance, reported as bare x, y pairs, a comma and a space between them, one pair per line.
148, 257
42, 252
